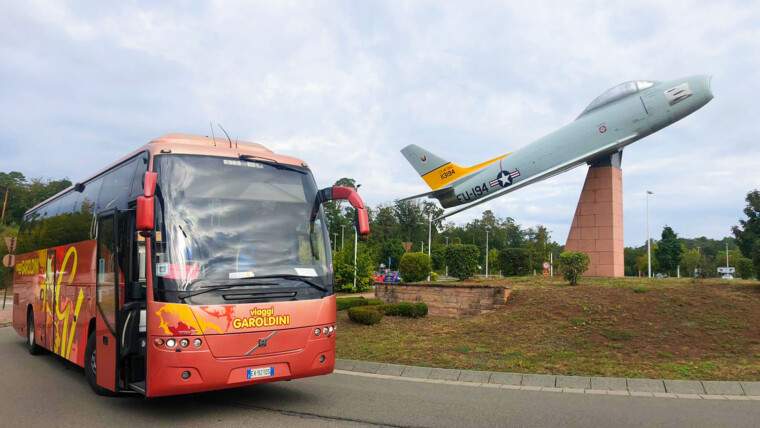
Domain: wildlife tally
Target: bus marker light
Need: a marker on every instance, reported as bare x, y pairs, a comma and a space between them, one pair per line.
158, 341
171, 343
184, 343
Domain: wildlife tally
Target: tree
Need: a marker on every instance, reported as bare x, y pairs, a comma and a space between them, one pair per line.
572, 265
462, 260
514, 261
747, 233
692, 262
414, 267
343, 268
391, 252
669, 251
744, 268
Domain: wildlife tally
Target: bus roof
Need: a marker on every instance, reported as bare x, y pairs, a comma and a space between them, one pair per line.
178, 143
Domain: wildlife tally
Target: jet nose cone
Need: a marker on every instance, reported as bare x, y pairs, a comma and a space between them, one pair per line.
706, 81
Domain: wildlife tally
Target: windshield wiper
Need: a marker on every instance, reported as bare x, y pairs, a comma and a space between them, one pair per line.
182, 295
303, 279
271, 162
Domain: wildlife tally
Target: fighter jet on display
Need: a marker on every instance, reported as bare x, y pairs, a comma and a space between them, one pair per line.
623, 114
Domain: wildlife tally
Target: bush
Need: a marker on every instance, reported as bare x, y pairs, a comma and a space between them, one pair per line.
349, 302
366, 315
414, 267
572, 265
374, 302
514, 262
406, 309
462, 260
744, 268
343, 267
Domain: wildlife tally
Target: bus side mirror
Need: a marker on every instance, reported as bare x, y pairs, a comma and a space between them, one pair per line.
145, 204
9, 260
352, 196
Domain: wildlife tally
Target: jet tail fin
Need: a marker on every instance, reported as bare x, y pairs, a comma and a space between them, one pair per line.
437, 172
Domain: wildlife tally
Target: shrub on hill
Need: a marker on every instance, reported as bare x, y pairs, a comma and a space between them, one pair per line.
514, 262
367, 315
572, 265
462, 260
414, 267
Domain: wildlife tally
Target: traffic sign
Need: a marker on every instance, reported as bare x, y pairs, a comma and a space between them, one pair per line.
726, 270
10, 243
9, 260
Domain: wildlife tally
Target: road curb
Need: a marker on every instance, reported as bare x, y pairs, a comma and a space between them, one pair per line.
629, 387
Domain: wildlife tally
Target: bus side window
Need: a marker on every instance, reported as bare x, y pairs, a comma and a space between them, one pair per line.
141, 168
116, 187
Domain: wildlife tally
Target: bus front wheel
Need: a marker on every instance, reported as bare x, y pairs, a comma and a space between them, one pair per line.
31, 341
91, 369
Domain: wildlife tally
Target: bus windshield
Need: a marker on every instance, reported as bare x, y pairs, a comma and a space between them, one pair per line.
223, 221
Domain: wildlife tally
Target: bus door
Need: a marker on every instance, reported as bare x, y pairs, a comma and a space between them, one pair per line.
107, 299
47, 314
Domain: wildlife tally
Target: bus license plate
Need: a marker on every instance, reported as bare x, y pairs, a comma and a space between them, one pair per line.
259, 372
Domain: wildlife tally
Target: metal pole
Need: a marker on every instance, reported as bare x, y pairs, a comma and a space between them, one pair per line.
430, 228
335, 241
726, 252
551, 264
423, 246
486, 253
356, 241
649, 241
5, 295
342, 235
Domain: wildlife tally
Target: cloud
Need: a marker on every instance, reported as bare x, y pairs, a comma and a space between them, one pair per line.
346, 85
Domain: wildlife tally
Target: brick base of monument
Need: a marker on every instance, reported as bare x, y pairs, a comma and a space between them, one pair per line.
447, 300
597, 228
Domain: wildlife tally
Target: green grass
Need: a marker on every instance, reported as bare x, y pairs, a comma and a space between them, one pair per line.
675, 329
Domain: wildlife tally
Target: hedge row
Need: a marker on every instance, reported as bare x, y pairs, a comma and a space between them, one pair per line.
349, 302
366, 315
373, 313
405, 309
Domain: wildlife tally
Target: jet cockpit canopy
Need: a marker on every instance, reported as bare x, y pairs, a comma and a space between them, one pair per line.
617, 92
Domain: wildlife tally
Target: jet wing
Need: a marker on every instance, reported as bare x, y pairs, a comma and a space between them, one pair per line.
430, 194
572, 163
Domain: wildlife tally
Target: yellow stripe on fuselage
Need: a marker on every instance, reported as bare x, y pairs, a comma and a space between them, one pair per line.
450, 172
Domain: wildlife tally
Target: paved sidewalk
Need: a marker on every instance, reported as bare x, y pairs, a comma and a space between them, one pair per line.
6, 316
694, 389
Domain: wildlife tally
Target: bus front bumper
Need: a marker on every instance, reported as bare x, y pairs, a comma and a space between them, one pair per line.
185, 371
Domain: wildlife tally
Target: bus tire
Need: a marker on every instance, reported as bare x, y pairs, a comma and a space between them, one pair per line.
31, 336
90, 368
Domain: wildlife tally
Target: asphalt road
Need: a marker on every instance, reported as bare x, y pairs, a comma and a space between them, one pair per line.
46, 391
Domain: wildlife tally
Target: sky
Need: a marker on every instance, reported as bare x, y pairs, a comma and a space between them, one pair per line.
346, 85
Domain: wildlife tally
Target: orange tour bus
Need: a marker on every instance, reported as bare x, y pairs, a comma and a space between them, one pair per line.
192, 264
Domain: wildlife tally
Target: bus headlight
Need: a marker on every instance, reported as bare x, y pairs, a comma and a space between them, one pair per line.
171, 343
317, 331
197, 343
184, 343
330, 330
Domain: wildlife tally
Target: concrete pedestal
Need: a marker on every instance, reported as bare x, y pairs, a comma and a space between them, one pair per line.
597, 228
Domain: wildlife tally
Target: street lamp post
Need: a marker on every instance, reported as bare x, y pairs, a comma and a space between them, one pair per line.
649, 241
430, 234
487, 230
447, 265
342, 235
335, 241
356, 242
